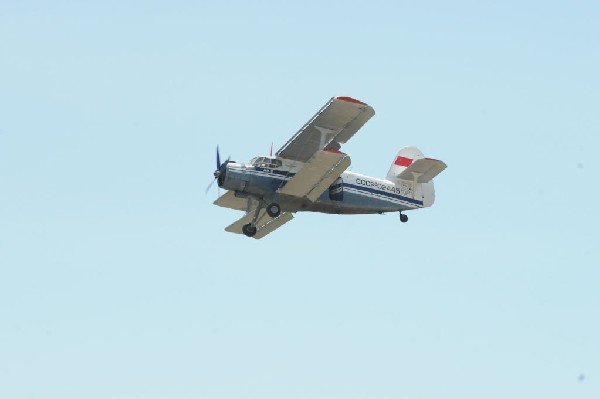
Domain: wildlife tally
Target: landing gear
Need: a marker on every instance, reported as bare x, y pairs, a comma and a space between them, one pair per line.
249, 230
273, 210
403, 218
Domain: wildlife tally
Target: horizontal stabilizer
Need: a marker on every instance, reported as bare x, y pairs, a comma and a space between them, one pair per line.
422, 170
317, 175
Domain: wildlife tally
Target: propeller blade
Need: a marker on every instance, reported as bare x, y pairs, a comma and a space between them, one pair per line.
218, 171
210, 185
218, 158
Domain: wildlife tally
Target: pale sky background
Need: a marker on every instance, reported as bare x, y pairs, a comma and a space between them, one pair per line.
117, 279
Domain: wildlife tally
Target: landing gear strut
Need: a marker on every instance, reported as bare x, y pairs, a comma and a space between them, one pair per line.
249, 230
273, 209
403, 218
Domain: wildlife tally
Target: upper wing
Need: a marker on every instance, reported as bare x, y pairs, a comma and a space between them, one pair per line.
332, 126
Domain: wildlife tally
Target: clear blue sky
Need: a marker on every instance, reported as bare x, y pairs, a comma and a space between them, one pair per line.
118, 281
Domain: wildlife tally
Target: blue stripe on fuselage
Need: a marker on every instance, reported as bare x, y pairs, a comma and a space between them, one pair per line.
384, 193
279, 174
273, 171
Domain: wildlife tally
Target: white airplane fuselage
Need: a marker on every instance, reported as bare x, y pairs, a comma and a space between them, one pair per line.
351, 193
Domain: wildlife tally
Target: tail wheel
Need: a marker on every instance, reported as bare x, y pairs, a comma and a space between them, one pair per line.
249, 230
273, 210
403, 218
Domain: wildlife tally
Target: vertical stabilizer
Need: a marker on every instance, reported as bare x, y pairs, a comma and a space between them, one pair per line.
411, 167
403, 160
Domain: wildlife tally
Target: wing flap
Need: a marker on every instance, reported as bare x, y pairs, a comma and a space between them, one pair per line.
229, 200
423, 170
317, 175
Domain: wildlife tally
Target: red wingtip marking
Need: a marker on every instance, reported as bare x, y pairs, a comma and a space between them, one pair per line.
334, 151
350, 100
403, 161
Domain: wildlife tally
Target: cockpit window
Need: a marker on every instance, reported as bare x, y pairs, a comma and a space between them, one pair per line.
266, 162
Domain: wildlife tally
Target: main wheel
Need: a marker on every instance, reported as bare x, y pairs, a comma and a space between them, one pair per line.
403, 218
249, 230
273, 210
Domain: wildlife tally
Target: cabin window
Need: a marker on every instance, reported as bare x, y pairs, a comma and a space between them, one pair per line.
266, 162
336, 190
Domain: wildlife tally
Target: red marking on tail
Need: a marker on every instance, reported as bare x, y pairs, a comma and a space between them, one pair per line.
403, 161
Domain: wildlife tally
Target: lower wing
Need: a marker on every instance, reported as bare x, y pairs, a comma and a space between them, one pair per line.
264, 223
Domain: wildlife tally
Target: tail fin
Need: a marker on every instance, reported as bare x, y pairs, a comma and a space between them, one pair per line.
403, 160
411, 166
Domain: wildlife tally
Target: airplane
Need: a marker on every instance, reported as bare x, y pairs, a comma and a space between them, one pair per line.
310, 173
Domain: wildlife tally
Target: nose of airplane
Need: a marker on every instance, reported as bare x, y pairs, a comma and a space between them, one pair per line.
219, 173
221, 169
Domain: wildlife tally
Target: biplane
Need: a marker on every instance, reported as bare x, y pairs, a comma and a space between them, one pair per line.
310, 173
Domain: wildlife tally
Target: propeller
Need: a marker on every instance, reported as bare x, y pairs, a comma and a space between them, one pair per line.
219, 173
209, 186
